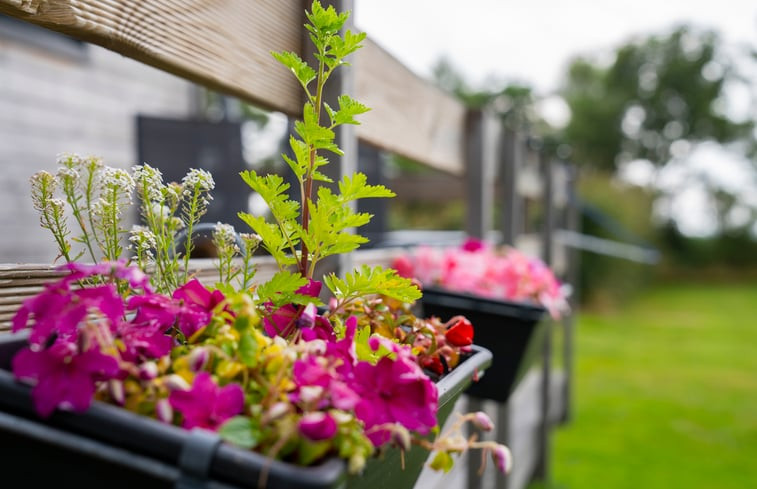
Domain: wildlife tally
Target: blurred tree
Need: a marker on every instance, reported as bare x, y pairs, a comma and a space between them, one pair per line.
659, 97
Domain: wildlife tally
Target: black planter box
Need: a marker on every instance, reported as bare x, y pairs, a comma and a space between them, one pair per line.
512, 331
111, 447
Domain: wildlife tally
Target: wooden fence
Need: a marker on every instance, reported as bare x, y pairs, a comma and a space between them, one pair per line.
226, 46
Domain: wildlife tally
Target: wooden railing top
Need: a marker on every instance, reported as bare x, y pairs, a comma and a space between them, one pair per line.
226, 46
20, 281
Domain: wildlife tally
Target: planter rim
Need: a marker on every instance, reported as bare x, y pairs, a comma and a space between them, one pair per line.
463, 300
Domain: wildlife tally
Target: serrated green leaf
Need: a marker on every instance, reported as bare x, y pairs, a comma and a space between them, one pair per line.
356, 187
373, 280
272, 238
348, 109
241, 431
304, 73
320, 177
281, 288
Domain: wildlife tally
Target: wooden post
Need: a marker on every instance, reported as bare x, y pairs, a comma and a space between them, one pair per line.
510, 160
573, 223
541, 471
481, 139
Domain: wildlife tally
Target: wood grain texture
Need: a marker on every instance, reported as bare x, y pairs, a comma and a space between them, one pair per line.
226, 45
222, 44
20, 281
409, 116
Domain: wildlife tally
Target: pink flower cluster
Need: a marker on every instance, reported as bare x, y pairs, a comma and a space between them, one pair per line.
84, 339
80, 336
478, 268
394, 390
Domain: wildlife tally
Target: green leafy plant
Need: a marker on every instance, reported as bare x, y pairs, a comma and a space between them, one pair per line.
305, 232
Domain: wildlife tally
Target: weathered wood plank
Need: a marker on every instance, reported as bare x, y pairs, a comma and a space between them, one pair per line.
226, 46
222, 45
409, 116
19, 281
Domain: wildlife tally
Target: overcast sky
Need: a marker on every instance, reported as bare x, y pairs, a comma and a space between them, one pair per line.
532, 40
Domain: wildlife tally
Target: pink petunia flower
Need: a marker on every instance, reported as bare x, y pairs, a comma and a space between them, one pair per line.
63, 377
394, 391
284, 320
317, 426
206, 405
199, 304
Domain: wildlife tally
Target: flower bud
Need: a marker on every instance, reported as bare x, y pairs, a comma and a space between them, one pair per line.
401, 436
278, 410
116, 390
176, 382
148, 371
310, 393
164, 411
198, 359
483, 421
317, 426
502, 457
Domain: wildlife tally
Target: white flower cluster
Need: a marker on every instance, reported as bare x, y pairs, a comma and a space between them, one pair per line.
197, 180
119, 180
142, 241
149, 182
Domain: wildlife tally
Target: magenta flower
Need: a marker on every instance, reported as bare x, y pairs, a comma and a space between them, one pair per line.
206, 405
136, 278
156, 309
59, 311
394, 391
317, 426
63, 377
314, 326
198, 306
472, 245
144, 341
281, 322
404, 266
284, 320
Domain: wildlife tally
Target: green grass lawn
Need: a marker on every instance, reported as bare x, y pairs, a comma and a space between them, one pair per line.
665, 393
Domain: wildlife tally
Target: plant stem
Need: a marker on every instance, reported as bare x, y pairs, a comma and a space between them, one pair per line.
320, 80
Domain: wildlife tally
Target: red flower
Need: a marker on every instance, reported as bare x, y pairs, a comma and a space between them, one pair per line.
461, 333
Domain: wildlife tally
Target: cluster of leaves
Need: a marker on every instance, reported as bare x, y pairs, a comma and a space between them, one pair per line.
306, 231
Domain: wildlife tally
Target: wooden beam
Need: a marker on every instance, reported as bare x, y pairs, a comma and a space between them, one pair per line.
226, 46
223, 45
410, 116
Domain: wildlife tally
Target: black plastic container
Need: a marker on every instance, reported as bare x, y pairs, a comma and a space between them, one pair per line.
512, 331
111, 447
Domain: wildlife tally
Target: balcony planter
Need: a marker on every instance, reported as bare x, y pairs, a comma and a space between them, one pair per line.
113, 447
512, 331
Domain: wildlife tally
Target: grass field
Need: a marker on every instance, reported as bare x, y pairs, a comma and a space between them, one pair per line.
665, 393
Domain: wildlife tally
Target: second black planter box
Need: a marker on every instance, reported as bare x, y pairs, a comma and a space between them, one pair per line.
512, 331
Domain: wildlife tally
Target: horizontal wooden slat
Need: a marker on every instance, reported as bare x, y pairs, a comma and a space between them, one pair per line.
222, 45
20, 281
409, 115
226, 46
